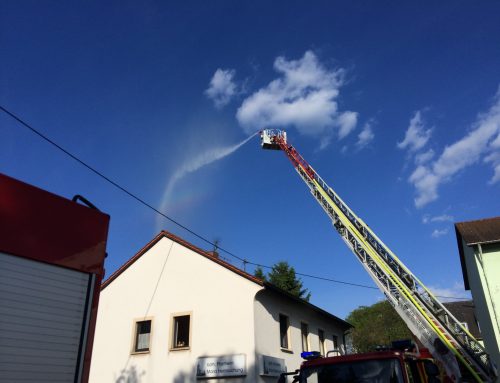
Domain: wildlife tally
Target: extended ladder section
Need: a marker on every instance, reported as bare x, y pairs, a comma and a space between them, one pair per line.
425, 316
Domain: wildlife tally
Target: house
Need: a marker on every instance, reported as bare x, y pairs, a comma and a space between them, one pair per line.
479, 247
464, 312
177, 313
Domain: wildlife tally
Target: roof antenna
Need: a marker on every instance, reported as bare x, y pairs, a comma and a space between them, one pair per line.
215, 253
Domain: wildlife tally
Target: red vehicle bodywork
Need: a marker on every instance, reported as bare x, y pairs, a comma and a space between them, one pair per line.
41, 226
412, 365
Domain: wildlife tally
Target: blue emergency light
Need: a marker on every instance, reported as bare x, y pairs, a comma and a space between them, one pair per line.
310, 355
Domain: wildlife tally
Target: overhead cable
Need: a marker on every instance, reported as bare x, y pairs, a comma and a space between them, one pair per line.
175, 222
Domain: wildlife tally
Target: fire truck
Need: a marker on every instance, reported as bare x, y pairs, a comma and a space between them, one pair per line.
52, 254
449, 342
402, 363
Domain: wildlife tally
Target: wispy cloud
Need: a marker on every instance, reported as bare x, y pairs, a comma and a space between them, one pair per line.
439, 233
193, 164
494, 158
222, 87
416, 136
482, 140
422, 158
303, 96
346, 122
365, 136
452, 293
438, 218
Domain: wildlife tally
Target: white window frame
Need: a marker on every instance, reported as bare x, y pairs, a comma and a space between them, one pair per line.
173, 317
133, 348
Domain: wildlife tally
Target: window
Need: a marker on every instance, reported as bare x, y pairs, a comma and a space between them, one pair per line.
142, 336
284, 325
335, 339
180, 331
304, 329
321, 337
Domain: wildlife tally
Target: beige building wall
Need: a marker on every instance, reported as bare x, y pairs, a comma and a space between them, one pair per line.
172, 279
268, 306
483, 271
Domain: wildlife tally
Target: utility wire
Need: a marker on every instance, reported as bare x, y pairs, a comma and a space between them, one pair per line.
115, 184
175, 222
320, 278
341, 282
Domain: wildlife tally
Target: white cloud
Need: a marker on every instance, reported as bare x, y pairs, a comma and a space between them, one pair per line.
494, 158
304, 96
347, 122
422, 158
483, 139
442, 218
448, 294
438, 218
416, 136
439, 233
365, 136
222, 87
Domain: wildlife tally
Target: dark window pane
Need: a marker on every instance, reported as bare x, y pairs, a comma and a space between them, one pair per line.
143, 331
181, 331
283, 331
383, 371
321, 336
335, 342
305, 334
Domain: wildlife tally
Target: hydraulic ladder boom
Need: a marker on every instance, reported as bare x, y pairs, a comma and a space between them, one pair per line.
425, 316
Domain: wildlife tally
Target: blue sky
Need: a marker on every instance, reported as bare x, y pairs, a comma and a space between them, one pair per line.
396, 105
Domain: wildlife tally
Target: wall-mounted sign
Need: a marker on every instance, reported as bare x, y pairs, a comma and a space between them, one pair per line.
270, 366
221, 366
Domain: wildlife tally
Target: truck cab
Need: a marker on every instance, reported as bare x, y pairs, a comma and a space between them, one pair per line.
374, 367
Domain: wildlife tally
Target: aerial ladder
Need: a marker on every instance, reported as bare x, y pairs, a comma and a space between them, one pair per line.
462, 356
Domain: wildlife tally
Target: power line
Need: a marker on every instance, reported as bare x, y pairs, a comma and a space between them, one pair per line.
148, 205
320, 278
342, 282
115, 184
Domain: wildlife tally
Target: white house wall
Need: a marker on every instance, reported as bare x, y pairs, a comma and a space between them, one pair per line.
268, 306
484, 280
169, 279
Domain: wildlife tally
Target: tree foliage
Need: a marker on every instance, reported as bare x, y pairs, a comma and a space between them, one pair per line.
283, 276
259, 273
375, 325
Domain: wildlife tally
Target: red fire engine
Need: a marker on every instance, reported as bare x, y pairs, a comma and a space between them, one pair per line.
51, 265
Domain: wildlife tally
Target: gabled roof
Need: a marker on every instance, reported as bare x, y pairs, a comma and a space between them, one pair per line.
214, 258
186, 244
479, 232
464, 312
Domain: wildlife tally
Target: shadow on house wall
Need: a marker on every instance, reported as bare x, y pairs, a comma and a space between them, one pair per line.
130, 375
133, 375
251, 376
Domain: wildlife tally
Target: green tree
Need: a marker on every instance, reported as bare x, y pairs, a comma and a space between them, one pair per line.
375, 325
283, 275
259, 273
